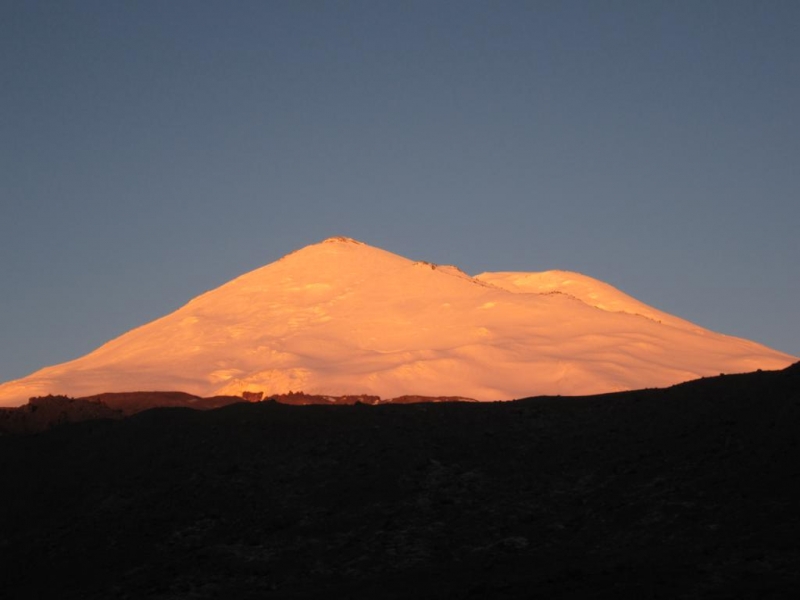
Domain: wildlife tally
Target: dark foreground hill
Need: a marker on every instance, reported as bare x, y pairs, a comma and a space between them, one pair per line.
687, 492
46, 412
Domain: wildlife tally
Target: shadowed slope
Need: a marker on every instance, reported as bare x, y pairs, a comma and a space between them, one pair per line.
685, 492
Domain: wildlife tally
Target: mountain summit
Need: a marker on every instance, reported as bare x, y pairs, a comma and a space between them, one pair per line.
342, 317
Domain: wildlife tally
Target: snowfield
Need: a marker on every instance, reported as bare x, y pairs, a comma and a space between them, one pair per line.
341, 317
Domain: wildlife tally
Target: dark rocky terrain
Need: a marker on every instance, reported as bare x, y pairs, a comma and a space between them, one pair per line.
45, 412
687, 492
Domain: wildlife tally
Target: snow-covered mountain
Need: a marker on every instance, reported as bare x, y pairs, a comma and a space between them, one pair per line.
342, 317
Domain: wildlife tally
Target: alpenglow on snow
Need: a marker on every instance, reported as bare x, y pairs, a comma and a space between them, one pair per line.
342, 317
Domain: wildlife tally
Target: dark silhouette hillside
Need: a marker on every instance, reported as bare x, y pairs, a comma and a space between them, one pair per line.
684, 492
46, 412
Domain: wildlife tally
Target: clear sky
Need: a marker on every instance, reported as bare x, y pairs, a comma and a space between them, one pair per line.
150, 151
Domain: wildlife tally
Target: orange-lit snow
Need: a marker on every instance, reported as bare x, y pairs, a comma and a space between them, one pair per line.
341, 317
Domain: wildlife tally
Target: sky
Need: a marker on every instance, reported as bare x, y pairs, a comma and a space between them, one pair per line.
151, 151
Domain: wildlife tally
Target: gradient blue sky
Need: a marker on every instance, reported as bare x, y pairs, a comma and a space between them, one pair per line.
150, 151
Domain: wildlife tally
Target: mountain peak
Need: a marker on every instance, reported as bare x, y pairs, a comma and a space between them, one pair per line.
340, 239
340, 317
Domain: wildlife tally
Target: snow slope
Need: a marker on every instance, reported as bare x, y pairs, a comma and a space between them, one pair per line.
342, 317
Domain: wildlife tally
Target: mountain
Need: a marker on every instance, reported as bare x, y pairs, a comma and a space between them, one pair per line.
341, 317
687, 492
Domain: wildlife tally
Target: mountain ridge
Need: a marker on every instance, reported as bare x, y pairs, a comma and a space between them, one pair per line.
47, 412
